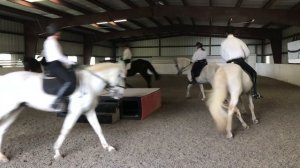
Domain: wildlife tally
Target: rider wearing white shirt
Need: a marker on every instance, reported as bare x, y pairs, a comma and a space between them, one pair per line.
127, 55
57, 65
234, 50
199, 60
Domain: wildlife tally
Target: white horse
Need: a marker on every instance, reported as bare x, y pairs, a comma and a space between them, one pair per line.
229, 78
23, 88
206, 75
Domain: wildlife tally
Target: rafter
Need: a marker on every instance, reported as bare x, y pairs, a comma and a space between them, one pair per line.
101, 5
129, 3
261, 16
150, 2
41, 7
154, 21
71, 6
238, 3
169, 20
185, 3
249, 23
22, 14
269, 4
256, 33
296, 7
267, 25
137, 23
179, 20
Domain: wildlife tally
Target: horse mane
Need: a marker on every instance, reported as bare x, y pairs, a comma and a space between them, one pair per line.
102, 66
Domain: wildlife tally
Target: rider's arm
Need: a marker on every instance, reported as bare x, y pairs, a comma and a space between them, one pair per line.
195, 56
60, 56
245, 49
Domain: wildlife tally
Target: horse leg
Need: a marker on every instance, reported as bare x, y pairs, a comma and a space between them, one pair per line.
147, 77
239, 116
251, 107
242, 105
68, 124
5, 122
92, 119
187, 95
231, 110
202, 91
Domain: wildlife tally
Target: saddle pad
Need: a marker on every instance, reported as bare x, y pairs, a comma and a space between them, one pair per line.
51, 85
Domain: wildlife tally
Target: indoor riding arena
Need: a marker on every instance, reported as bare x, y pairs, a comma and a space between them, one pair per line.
135, 64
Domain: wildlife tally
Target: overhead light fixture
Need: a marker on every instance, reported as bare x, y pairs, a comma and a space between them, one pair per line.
102, 23
120, 20
112, 22
160, 2
33, 0
252, 20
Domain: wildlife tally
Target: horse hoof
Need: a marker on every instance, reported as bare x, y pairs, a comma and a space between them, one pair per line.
203, 99
3, 159
110, 149
57, 157
229, 136
246, 126
255, 121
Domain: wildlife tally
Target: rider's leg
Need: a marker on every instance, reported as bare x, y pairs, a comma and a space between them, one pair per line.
57, 69
253, 75
193, 73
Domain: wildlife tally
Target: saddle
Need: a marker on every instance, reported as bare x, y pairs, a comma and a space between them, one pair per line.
52, 84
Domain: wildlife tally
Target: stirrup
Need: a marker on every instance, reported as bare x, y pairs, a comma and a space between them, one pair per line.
256, 96
59, 106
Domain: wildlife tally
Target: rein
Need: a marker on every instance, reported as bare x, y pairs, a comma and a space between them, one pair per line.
183, 68
99, 77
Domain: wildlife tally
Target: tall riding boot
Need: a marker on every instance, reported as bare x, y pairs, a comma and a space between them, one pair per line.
193, 78
60, 103
254, 91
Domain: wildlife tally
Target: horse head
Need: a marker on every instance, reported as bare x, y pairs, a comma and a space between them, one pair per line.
113, 75
182, 64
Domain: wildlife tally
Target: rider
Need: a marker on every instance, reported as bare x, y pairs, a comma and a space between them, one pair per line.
234, 50
57, 65
127, 55
199, 60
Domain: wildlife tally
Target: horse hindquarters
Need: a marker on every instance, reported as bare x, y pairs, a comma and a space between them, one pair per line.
216, 99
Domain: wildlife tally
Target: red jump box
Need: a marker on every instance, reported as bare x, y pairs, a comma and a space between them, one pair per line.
137, 103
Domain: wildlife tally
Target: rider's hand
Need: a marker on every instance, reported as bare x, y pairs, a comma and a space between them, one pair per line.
75, 66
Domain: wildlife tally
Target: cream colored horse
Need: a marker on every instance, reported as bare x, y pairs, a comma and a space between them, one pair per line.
229, 78
23, 88
206, 76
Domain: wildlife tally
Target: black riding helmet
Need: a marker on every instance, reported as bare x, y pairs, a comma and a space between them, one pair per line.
199, 45
52, 29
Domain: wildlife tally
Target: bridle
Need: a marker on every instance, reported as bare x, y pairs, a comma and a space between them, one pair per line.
108, 85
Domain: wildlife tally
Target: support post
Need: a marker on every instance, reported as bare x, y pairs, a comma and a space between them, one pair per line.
30, 44
87, 49
276, 45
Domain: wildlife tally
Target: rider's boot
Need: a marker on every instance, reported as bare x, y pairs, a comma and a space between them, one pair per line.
61, 103
255, 95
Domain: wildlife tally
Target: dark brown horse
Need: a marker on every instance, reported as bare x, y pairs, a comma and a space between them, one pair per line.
142, 66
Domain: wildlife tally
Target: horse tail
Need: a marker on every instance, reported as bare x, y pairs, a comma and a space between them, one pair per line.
151, 68
216, 99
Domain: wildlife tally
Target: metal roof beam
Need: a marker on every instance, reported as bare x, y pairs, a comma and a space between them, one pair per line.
269, 4
256, 33
261, 16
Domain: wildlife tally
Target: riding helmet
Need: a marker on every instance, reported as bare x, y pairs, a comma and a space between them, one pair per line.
52, 29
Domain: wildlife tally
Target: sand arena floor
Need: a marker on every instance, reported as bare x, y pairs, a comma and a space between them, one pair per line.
180, 134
